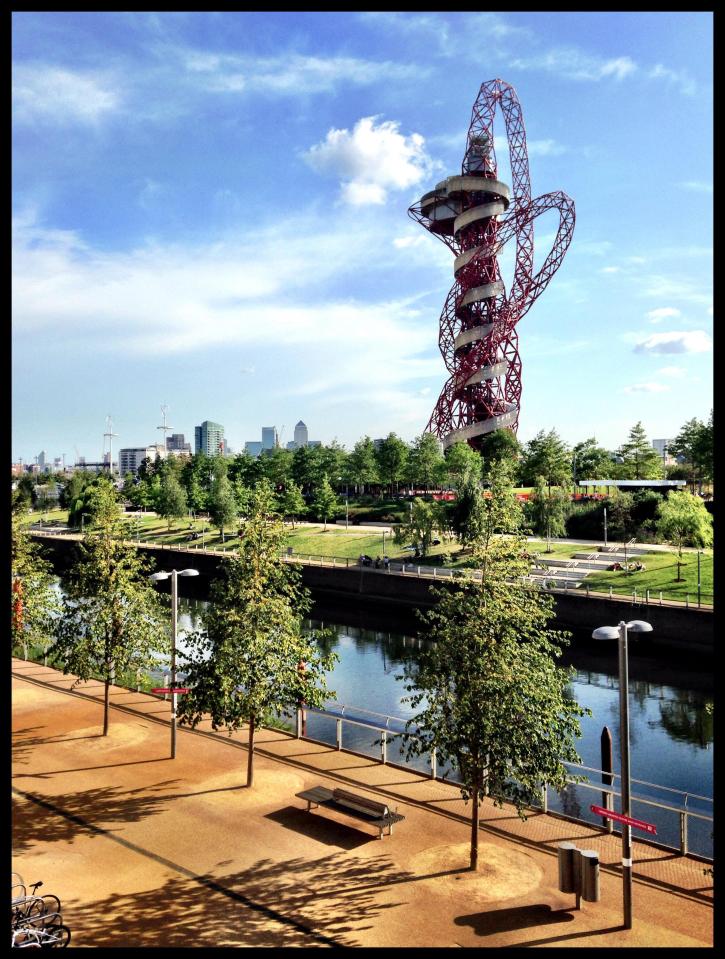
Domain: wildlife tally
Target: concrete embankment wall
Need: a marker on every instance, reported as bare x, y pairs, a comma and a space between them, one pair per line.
388, 596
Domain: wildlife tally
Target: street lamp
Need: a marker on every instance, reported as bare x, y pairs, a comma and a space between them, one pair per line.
620, 633
156, 578
83, 516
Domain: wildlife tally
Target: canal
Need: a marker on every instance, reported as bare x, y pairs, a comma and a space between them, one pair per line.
671, 727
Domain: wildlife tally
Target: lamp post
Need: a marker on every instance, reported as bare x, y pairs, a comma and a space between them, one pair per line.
698, 576
83, 516
605, 526
156, 578
620, 633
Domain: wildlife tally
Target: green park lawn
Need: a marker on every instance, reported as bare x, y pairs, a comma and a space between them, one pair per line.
336, 541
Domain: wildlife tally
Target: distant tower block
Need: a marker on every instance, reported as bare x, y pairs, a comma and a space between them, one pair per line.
475, 215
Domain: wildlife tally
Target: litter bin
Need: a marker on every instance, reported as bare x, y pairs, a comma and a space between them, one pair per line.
568, 867
589, 875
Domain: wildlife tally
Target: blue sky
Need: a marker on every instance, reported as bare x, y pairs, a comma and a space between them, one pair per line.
210, 212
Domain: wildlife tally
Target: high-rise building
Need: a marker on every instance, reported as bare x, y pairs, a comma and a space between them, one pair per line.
301, 436
662, 447
41, 460
253, 447
269, 437
176, 443
130, 458
209, 438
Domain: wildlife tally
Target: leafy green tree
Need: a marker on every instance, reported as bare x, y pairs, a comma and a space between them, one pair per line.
242, 496
546, 455
589, 461
333, 461
247, 469
622, 521
425, 517
307, 470
252, 659
694, 445
462, 461
547, 510
292, 503
500, 445
392, 458
640, 459
276, 465
112, 619
23, 494
326, 503
467, 513
683, 520
490, 697
362, 464
34, 602
222, 503
196, 479
171, 503
426, 465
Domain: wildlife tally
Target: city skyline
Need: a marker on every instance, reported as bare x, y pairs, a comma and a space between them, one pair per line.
211, 210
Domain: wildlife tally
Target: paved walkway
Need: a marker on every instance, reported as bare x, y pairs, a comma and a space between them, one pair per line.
146, 851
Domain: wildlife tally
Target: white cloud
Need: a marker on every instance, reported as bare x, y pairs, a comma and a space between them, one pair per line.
371, 159
288, 75
662, 313
690, 341
53, 94
679, 78
646, 388
676, 372
576, 65
404, 242
696, 186
611, 269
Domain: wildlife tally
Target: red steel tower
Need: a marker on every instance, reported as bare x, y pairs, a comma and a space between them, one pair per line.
475, 215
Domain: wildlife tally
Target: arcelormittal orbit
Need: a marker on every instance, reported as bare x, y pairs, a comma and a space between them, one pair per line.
476, 215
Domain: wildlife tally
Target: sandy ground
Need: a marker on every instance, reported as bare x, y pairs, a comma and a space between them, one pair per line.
146, 851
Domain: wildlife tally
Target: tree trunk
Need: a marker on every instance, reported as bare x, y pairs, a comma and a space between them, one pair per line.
105, 705
474, 829
250, 754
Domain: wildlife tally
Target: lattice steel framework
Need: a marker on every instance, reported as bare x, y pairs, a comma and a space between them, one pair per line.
475, 215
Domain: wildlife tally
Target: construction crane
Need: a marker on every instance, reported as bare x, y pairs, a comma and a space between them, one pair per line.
165, 428
110, 434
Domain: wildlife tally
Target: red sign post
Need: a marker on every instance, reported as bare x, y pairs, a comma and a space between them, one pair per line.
627, 820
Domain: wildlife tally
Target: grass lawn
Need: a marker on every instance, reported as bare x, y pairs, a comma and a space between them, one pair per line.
660, 573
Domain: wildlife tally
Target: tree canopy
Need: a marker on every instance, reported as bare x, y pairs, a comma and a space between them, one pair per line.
252, 658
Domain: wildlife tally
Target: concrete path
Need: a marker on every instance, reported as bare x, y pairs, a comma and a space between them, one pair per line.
146, 851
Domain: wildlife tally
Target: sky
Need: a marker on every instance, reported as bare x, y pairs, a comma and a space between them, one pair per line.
210, 214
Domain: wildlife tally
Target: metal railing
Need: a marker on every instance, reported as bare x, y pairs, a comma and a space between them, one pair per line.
381, 725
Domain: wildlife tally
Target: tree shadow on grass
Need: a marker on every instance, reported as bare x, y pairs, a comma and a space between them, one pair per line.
326, 901
37, 819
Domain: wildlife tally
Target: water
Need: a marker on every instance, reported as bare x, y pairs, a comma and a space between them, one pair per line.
671, 736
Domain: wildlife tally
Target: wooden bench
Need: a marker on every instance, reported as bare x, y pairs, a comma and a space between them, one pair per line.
358, 807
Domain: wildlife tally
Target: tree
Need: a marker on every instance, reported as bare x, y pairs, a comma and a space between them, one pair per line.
462, 461
621, 520
222, 503
252, 659
195, 477
492, 700
547, 510
467, 514
500, 445
392, 457
23, 494
362, 464
333, 461
640, 459
171, 503
589, 461
325, 504
112, 619
34, 602
276, 465
424, 519
683, 520
694, 445
546, 455
292, 503
426, 465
